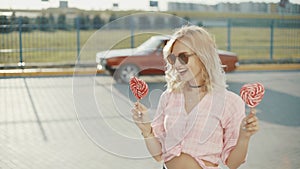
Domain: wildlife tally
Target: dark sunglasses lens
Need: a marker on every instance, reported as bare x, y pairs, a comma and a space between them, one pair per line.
171, 59
183, 58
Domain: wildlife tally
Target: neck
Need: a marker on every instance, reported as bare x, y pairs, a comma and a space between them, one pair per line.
195, 84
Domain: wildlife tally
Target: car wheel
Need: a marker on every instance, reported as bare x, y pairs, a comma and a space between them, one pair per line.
125, 72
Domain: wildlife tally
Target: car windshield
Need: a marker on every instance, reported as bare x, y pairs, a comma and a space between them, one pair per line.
150, 44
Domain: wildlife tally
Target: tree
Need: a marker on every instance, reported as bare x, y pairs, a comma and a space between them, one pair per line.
42, 22
87, 22
4, 24
51, 22
112, 17
187, 18
283, 3
3, 20
13, 18
25, 24
61, 22
13, 21
81, 22
200, 24
97, 22
114, 25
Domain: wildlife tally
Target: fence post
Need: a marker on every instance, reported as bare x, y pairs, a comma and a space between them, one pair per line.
132, 31
78, 38
271, 39
229, 34
21, 62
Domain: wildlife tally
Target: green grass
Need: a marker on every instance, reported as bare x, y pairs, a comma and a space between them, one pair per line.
61, 46
254, 43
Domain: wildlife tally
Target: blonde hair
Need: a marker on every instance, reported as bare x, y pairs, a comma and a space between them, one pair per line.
203, 45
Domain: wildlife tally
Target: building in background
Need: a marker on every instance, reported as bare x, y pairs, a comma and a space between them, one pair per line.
243, 7
180, 6
63, 4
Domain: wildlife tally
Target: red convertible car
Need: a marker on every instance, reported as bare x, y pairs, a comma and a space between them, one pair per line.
146, 59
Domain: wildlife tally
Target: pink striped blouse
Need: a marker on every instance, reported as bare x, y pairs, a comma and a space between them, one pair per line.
209, 132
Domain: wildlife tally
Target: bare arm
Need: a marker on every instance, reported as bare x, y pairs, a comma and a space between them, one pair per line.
248, 127
238, 154
142, 120
153, 145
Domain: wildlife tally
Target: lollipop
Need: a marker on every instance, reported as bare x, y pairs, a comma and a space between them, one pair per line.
139, 89
252, 94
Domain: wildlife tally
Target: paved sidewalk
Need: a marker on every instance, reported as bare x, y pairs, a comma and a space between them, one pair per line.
61, 123
39, 129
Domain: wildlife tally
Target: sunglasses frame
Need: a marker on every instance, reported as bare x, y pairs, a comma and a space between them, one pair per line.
172, 58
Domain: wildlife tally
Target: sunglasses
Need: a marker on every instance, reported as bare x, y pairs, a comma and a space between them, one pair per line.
182, 57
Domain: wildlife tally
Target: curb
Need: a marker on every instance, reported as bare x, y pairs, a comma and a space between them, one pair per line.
38, 72
266, 67
48, 72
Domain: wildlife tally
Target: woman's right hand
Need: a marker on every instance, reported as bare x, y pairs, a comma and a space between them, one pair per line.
141, 117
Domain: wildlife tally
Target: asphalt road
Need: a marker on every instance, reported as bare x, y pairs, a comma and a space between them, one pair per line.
84, 122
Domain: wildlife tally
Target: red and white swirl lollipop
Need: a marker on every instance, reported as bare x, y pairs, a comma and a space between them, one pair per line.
252, 94
139, 89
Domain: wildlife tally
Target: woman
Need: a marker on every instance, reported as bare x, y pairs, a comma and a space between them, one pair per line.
198, 123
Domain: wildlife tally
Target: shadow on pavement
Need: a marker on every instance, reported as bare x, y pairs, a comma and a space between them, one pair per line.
151, 100
276, 107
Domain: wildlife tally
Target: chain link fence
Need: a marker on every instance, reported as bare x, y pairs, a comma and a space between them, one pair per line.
254, 40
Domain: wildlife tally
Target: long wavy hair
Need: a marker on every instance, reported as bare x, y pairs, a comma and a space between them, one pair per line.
204, 46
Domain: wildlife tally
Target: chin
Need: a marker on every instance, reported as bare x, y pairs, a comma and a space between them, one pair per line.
185, 78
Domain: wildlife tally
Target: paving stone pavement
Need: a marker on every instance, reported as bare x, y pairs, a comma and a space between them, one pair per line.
61, 122
39, 129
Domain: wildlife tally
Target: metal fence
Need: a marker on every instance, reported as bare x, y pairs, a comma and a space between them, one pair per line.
53, 44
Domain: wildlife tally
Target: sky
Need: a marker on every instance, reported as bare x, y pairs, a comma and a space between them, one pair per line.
107, 4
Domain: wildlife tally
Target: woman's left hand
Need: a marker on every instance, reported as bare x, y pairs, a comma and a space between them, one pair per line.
249, 125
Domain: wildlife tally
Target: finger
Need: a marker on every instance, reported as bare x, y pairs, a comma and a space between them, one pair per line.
141, 107
140, 114
251, 119
254, 124
136, 114
251, 126
136, 119
252, 129
134, 111
136, 105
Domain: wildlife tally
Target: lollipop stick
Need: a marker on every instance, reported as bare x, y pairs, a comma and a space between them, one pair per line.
253, 110
139, 113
